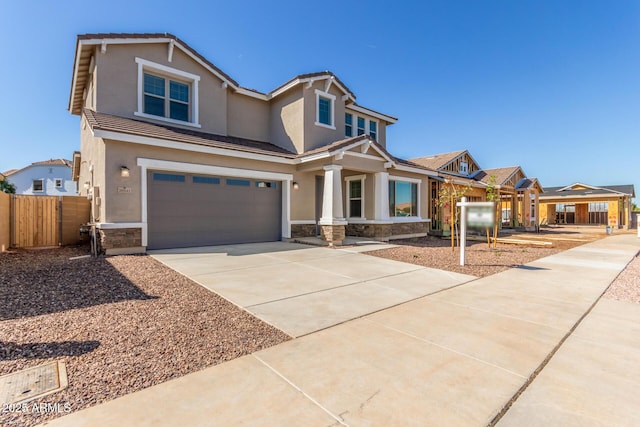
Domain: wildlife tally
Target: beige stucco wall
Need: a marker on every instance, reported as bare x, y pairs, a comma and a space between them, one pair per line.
127, 207
5, 237
117, 88
92, 152
286, 127
303, 200
248, 117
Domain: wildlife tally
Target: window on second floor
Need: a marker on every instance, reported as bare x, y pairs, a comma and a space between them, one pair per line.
361, 126
325, 106
58, 183
38, 185
348, 124
373, 129
166, 98
167, 94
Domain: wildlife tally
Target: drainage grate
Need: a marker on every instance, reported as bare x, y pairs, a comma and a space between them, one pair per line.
23, 386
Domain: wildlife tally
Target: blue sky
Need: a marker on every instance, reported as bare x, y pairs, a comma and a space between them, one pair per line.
553, 86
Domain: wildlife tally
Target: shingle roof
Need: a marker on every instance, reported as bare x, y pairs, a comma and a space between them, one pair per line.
601, 190
64, 162
108, 122
436, 161
502, 174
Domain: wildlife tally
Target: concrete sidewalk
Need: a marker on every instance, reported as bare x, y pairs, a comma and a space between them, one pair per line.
457, 357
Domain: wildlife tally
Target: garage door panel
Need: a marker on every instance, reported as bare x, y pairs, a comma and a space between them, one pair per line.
201, 210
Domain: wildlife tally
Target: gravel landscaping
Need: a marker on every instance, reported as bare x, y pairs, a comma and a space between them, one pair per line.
480, 261
626, 287
120, 324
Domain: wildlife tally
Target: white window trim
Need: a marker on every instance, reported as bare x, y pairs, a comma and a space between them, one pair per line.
347, 181
367, 125
332, 98
193, 79
56, 180
412, 218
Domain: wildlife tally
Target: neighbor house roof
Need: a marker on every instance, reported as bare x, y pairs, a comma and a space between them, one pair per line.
121, 125
590, 191
502, 174
86, 43
50, 162
436, 161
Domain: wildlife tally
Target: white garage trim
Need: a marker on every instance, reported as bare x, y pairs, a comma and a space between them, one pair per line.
165, 165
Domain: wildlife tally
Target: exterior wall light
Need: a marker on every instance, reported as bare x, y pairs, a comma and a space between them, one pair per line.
295, 185
124, 171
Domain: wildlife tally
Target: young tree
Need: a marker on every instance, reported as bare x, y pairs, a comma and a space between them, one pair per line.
447, 198
7, 187
493, 196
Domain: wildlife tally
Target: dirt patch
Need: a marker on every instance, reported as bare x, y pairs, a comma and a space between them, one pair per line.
480, 260
120, 324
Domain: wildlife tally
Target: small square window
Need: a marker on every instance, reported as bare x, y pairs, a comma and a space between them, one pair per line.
58, 183
38, 185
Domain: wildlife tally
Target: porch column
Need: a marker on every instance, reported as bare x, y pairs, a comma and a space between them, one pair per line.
332, 221
381, 196
332, 211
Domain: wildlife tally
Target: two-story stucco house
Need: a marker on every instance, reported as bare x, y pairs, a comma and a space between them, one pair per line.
47, 178
175, 153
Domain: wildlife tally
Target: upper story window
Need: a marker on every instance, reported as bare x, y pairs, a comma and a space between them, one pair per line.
38, 185
156, 102
361, 126
325, 109
348, 124
464, 168
167, 94
58, 183
373, 129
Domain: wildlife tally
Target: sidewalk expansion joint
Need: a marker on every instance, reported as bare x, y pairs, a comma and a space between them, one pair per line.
315, 402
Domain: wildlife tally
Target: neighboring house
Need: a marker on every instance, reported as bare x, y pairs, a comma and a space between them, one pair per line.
175, 153
459, 171
585, 204
46, 178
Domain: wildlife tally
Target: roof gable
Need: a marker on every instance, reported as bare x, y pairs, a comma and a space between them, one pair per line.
457, 163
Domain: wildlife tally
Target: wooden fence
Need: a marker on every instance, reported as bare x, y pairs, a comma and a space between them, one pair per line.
39, 221
5, 224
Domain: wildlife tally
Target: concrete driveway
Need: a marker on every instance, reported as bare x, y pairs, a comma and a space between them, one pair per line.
301, 289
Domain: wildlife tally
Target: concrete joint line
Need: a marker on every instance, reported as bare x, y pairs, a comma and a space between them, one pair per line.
359, 282
484, 362
547, 359
315, 402
502, 315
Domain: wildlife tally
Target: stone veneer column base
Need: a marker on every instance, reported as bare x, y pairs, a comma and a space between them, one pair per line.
334, 234
303, 230
121, 240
